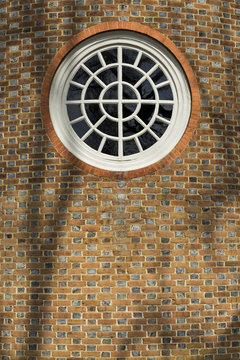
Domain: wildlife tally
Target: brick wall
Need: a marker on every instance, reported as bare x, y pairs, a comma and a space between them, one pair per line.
145, 268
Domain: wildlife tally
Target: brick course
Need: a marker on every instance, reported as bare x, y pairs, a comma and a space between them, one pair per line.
96, 267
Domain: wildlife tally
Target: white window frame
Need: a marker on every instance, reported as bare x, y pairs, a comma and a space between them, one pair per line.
162, 57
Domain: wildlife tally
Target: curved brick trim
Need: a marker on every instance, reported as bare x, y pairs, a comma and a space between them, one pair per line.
116, 26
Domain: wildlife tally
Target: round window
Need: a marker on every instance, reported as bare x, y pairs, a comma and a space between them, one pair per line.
119, 101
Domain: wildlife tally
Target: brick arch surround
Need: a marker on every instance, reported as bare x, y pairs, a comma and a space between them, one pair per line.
140, 29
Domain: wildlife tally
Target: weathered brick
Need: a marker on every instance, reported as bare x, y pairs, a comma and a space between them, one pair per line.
97, 267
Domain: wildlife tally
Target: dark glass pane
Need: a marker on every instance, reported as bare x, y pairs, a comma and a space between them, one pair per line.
81, 76
109, 127
128, 93
110, 56
93, 140
131, 75
165, 93
158, 76
74, 93
129, 56
110, 147
159, 128
128, 109
93, 63
74, 111
165, 111
108, 76
146, 91
93, 90
129, 147
131, 127
111, 93
80, 128
111, 109
146, 63
93, 112
146, 140
146, 112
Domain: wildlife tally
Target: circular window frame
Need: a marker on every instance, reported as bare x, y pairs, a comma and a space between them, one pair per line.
83, 158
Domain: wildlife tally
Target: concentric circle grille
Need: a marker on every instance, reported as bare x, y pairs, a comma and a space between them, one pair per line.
120, 101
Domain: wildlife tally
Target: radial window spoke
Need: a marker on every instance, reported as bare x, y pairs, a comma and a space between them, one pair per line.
138, 58
77, 120
77, 84
138, 144
162, 84
165, 121
101, 59
166, 102
140, 121
102, 144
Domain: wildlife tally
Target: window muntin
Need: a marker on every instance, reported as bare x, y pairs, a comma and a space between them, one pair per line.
120, 101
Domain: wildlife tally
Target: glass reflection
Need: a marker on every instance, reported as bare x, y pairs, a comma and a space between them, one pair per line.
111, 109
110, 147
131, 127
165, 111
146, 113
147, 140
93, 140
80, 128
128, 93
74, 112
146, 63
93, 90
129, 56
165, 93
93, 63
81, 76
108, 76
93, 112
159, 128
158, 76
110, 56
74, 93
146, 91
128, 109
109, 127
131, 75
111, 93
130, 147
